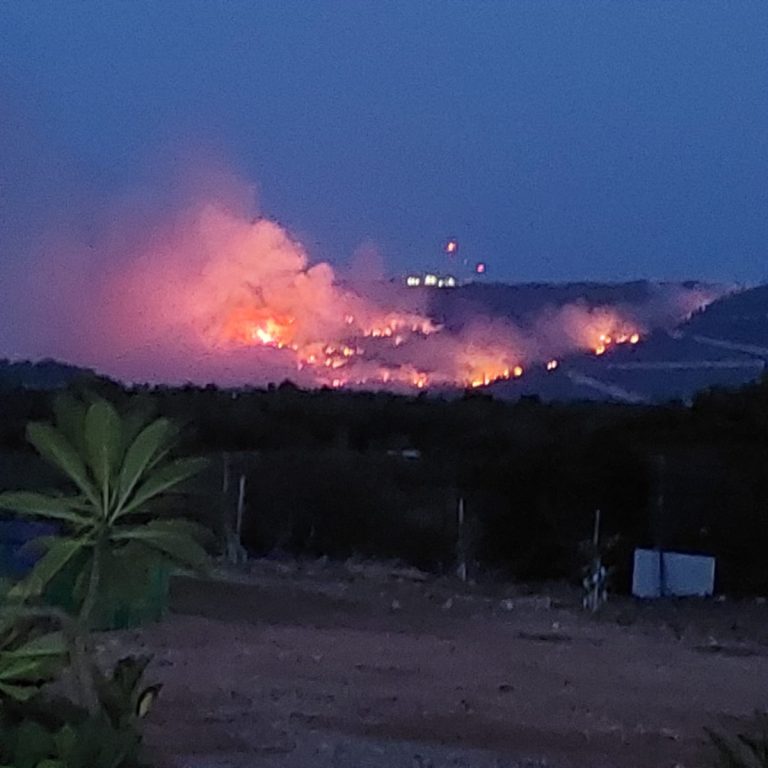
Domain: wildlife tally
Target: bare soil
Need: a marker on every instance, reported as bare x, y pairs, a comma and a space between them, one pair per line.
334, 665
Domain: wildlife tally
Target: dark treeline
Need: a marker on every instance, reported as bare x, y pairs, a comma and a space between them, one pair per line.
326, 474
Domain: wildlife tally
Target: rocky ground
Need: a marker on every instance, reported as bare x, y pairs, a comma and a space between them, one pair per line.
354, 665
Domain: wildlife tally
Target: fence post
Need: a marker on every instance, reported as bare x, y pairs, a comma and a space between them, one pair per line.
240, 508
461, 543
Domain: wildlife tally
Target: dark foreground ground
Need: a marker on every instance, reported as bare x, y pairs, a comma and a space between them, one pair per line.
315, 666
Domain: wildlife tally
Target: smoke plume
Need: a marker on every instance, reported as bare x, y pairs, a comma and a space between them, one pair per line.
207, 291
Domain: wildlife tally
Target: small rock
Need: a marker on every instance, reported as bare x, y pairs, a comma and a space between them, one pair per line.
448, 604
396, 605
508, 604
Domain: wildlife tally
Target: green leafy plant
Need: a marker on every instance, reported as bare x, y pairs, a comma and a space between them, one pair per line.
100, 729
92, 743
743, 750
55, 733
120, 470
30, 655
123, 696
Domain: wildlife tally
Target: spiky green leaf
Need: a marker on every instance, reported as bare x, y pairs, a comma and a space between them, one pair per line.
49, 644
51, 563
104, 443
183, 527
55, 448
151, 441
40, 505
18, 692
163, 480
21, 670
178, 548
140, 412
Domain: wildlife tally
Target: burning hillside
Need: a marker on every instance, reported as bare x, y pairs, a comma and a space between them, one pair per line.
211, 294
239, 301
244, 297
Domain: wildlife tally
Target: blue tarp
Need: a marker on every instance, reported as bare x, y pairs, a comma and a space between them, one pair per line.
17, 559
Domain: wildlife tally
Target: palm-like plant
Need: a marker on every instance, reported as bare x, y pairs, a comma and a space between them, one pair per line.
30, 656
119, 467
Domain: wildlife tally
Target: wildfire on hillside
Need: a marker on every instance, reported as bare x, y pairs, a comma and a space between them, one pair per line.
367, 354
338, 338
219, 296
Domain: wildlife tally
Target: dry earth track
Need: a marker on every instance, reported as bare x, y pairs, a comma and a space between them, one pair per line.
287, 668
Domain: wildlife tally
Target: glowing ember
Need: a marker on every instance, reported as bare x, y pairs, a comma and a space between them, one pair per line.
259, 334
451, 246
245, 325
606, 341
552, 365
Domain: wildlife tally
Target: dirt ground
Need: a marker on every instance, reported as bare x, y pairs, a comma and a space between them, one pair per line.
348, 666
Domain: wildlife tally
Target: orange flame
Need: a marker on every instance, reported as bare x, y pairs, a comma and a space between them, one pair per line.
245, 291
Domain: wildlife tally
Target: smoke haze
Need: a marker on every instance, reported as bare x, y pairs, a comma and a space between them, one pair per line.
177, 285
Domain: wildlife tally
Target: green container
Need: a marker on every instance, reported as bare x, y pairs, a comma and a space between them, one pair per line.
131, 594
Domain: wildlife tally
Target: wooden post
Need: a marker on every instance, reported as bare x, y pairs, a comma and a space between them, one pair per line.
461, 542
595, 580
596, 536
240, 507
659, 533
226, 526
234, 551
225, 475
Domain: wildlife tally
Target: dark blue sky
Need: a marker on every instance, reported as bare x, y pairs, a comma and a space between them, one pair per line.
557, 140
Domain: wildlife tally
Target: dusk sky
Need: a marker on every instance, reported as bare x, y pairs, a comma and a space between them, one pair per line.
555, 140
